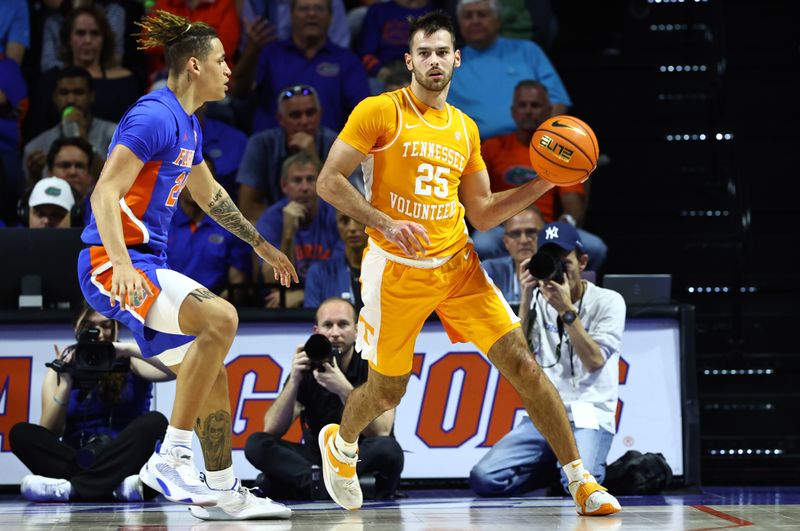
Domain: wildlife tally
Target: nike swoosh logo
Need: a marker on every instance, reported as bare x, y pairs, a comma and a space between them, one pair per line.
578, 130
466, 255
409, 126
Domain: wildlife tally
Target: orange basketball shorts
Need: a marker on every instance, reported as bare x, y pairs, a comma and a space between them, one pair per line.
399, 297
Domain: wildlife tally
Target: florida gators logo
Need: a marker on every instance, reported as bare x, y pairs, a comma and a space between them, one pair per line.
137, 298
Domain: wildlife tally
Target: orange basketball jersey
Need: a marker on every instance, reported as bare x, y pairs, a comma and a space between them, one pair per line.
416, 156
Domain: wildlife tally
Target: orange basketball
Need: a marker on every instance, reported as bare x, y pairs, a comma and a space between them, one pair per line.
564, 150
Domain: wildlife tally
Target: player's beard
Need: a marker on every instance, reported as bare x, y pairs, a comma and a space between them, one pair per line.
433, 85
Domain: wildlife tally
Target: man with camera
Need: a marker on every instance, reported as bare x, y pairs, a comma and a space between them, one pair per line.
323, 374
574, 328
519, 237
96, 429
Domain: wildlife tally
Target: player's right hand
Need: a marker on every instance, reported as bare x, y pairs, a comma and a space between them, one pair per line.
128, 286
282, 268
409, 236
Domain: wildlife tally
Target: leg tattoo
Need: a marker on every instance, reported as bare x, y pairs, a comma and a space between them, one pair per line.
215, 436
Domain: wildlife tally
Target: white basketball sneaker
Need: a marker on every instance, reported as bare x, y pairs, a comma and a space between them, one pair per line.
130, 490
239, 503
43, 489
592, 499
339, 471
171, 472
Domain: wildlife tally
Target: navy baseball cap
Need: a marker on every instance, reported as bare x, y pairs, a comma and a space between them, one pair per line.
562, 234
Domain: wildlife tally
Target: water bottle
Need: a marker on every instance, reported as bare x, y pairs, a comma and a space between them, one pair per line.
69, 128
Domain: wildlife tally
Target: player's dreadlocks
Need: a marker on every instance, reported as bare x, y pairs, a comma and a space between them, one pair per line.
180, 38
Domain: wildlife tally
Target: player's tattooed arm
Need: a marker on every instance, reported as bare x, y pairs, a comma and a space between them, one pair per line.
226, 213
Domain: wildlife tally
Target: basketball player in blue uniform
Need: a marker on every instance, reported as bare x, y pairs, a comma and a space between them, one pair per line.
155, 152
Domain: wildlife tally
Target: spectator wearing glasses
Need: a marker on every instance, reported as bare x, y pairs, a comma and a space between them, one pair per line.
70, 159
73, 90
259, 176
309, 57
519, 238
574, 328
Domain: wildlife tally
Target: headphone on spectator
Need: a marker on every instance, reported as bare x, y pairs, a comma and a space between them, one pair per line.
76, 213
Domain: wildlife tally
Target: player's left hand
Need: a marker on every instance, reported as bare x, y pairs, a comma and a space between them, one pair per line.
281, 265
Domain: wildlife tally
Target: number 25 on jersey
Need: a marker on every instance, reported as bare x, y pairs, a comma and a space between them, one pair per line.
427, 173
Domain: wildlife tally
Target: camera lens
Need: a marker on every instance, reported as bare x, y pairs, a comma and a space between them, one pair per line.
545, 265
542, 266
318, 348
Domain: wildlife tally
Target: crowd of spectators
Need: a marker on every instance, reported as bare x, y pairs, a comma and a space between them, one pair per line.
70, 69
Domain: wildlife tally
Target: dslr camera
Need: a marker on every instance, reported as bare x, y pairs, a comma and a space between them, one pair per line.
91, 359
319, 350
546, 264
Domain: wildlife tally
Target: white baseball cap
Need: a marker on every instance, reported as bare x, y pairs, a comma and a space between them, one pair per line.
52, 191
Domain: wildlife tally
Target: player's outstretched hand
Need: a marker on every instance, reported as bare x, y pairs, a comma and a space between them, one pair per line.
408, 236
281, 265
128, 286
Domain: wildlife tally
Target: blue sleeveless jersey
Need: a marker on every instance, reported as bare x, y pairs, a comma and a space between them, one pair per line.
169, 142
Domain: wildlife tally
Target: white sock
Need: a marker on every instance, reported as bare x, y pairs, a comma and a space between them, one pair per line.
176, 437
574, 471
348, 449
221, 479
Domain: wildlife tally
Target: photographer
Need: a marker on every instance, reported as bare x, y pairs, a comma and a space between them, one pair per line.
96, 429
574, 328
316, 390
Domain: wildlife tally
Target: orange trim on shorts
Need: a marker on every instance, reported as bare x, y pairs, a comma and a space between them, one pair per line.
99, 257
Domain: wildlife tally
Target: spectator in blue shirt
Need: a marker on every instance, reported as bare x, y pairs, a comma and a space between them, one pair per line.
15, 29
13, 99
223, 145
278, 14
299, 116
301, 225
384, 34
520, 241
339, 276
310, 58
505, 62
201, 249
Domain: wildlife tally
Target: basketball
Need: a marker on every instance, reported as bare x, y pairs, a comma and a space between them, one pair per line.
564, 150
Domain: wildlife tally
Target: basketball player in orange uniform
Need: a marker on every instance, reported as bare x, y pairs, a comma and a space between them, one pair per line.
423, 172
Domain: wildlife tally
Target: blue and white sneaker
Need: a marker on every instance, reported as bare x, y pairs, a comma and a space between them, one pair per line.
171, 472
43, 489
239, 503
130, 490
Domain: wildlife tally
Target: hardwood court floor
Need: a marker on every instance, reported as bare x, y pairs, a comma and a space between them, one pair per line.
720, 508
